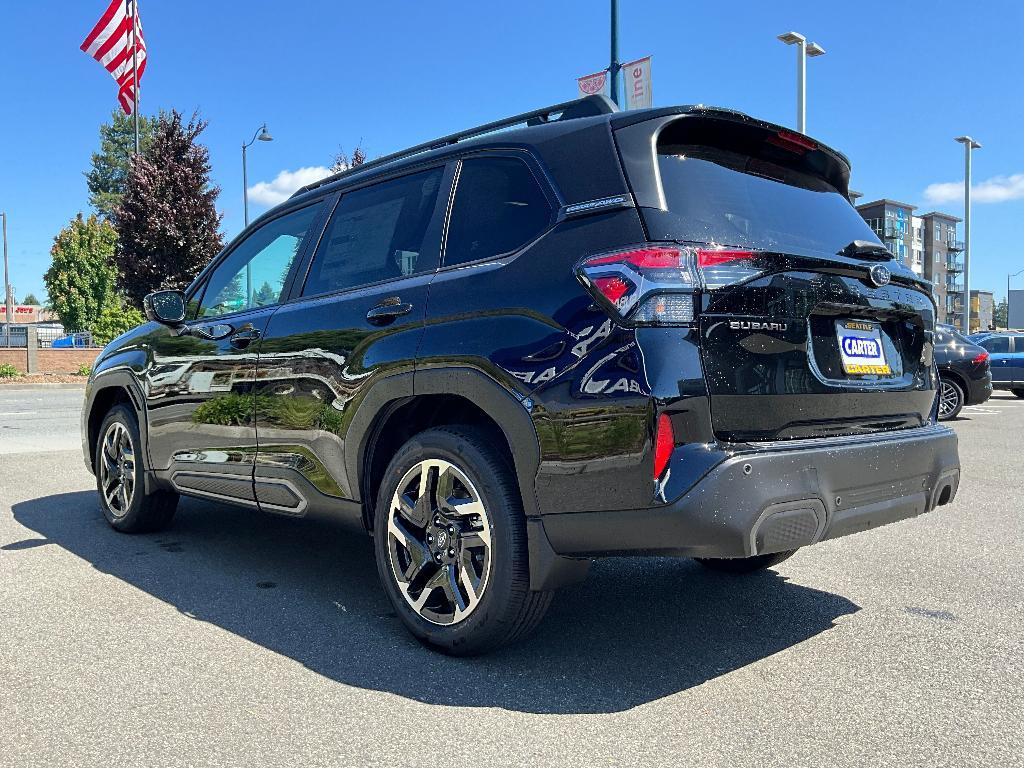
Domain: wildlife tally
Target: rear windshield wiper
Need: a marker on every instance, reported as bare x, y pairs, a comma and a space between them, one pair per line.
865, 249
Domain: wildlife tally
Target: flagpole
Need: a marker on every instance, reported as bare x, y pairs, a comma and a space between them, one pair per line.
134, 6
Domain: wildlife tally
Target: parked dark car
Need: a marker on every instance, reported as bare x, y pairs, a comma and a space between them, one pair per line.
506, 352
963, 372
1006, 354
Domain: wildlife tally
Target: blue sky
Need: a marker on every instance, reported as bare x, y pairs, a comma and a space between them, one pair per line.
898, 82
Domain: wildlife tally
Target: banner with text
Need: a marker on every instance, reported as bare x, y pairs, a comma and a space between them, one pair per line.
637, 81
591, 84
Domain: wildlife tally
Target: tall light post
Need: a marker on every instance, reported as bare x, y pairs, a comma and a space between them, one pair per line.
614, 66
970, 145
8, 299
1008, 297
261, 135
804, 51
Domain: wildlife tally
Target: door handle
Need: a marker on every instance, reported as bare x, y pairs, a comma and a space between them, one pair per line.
245, 336
387, 311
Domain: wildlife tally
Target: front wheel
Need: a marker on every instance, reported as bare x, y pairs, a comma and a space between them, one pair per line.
951, 399
450, 543
119, 465
745, 564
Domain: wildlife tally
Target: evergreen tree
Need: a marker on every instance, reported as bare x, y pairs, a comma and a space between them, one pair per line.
30, 300
265, 295
342, 161
81, 281
109, 172
167, 221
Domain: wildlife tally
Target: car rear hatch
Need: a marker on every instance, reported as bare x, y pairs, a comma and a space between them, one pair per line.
807, 328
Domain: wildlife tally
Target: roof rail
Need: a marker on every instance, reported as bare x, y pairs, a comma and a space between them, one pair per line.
588, 106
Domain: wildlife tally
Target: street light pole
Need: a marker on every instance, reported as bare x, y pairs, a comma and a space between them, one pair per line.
8, 299
614, 66
262, 134
804, 51
970, 145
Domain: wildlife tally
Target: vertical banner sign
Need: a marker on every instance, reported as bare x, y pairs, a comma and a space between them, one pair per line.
637, 76
591, 84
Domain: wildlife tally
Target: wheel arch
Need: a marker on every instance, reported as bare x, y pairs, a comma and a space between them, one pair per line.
108, 390
442, 397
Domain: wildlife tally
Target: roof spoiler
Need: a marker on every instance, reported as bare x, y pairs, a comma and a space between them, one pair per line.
588, 106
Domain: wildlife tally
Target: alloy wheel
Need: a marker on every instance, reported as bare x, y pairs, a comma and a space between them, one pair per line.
117, 469
439, 542
949, 399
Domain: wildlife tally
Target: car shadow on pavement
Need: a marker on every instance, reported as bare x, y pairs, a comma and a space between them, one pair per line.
635, 631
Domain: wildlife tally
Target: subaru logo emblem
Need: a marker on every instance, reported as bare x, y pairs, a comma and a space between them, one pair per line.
879, 275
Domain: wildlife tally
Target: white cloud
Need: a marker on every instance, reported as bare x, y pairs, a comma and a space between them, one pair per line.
998, 189
284, 184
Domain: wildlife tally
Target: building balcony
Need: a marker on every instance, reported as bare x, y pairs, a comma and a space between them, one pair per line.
953, 266
892, 232
955, 245
954, 288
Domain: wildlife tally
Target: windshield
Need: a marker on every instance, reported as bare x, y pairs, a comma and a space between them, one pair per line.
718, 196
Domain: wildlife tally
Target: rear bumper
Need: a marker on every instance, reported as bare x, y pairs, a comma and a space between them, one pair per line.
978, 390
779, 497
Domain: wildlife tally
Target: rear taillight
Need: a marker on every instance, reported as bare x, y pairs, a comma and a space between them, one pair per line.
664, 442
980, 358
655, 284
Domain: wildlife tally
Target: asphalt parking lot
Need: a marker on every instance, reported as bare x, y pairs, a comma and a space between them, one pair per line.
236, 638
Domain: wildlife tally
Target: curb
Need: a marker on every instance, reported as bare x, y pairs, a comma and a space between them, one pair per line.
30, 387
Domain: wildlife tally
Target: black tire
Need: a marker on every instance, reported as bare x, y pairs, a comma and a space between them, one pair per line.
1018, 392
144, 511
739, 565
951, 398
506, 610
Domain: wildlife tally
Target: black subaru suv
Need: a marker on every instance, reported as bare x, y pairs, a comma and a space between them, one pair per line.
514, 349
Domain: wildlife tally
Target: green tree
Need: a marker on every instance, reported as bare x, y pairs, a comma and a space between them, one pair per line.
114, 320
110, 165
999, 315
167, 222
81, 280
31, 300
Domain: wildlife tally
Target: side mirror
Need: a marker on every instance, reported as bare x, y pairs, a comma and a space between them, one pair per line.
167, 307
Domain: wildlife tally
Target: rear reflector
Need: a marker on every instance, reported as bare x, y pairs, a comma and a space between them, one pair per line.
664, 442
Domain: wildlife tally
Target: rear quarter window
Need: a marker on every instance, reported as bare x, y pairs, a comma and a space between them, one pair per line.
499, 207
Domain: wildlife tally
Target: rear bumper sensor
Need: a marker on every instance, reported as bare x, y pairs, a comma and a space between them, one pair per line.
272, 495
779, 499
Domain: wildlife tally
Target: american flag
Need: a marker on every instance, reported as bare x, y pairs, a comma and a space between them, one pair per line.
120, 49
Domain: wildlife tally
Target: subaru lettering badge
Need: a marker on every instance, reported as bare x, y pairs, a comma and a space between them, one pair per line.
879, 275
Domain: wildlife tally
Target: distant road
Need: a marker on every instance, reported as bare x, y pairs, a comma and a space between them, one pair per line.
36, 420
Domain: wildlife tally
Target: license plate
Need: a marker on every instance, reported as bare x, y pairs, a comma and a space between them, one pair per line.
860, 347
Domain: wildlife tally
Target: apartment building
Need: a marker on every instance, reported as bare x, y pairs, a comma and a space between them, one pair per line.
927, 244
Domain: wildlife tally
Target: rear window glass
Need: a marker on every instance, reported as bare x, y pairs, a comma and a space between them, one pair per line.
760, 195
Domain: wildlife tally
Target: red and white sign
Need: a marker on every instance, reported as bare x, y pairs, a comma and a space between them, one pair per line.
637, 80
591, 84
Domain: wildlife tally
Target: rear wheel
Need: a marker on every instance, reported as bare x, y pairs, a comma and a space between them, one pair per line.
450, 543
745, 564
1018, 392
119, 465
951, 399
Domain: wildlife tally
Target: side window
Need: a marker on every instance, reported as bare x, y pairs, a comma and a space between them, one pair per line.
255, 272
996, 344
377, 233
499, 207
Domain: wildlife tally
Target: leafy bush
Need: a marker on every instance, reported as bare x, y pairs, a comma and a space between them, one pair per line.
8, 371
115, 320
85, 369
